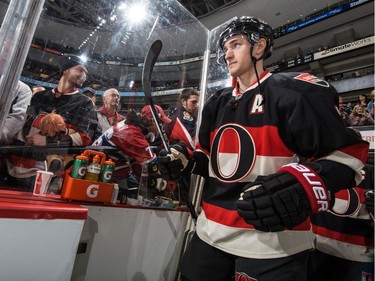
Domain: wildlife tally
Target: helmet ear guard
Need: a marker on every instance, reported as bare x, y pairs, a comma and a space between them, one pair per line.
252, 28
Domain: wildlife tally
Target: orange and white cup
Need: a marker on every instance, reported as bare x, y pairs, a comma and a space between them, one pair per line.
42, 182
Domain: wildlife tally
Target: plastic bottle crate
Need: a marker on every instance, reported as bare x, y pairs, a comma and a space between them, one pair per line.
86, 190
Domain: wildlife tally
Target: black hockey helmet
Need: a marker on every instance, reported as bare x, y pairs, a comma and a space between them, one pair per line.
253, 28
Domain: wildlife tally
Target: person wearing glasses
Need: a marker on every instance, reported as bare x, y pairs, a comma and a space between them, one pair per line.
108, 115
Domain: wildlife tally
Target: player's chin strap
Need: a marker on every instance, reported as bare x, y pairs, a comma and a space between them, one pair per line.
254, 60
235, 100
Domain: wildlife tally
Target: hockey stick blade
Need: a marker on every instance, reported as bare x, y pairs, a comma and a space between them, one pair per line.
148, 66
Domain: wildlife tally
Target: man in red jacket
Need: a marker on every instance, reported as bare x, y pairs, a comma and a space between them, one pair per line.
132, 137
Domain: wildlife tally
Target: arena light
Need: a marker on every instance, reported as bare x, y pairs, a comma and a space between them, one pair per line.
136, 13
122, 6
83, 58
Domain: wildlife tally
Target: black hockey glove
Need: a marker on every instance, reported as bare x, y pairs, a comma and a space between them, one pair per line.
283, 200
369, 201
174, 162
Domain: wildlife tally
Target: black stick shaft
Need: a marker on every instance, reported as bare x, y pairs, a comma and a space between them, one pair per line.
151, 57
148, 66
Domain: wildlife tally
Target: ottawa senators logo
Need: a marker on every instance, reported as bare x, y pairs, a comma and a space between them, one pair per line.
232, 153
349, 203
242, 276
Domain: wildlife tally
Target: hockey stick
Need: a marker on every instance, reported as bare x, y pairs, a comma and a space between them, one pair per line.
148, 66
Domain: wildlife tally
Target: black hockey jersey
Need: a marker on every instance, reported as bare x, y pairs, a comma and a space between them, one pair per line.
80, 120
76, 109
242, 137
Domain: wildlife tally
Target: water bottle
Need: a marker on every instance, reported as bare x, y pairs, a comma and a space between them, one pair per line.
93, 170
115, 193
106, 173
79, 167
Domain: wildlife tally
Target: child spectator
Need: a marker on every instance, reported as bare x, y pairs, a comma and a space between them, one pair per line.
360, 116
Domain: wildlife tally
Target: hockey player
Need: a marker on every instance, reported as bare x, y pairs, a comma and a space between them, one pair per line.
184, 119
257, 200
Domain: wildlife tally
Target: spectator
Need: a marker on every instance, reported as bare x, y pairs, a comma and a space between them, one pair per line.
345, 116
76, 110
256, 201
132, 138
20, 96
37, 88
17, 114
345, 107
184, 119
356, 74
344, 111
360, 116
363, 100
146, 113
89, 92
107, 114
156, 143
371, 104
349, 105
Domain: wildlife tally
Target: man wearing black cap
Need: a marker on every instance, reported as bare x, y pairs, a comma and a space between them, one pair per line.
76, 109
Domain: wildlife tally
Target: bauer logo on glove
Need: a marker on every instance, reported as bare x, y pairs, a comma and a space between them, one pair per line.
283, 200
